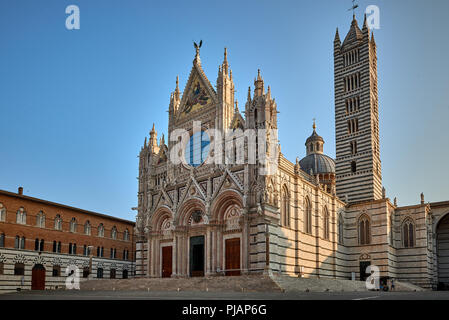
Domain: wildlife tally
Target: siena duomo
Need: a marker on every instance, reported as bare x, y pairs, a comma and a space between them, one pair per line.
315, 217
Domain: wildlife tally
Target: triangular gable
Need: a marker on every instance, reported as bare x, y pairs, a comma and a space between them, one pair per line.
237, 121
197, 94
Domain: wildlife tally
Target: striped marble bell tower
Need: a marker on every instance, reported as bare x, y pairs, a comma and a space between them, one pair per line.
358, 166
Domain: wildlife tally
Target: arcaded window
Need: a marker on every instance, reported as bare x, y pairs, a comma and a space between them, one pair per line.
326, 224
307, 216
114, 233
101, 230
40, 219
73, 225
408, 233
126, 235
364, 230
87, 228
285, 208
21, 217
58, 222
2, 212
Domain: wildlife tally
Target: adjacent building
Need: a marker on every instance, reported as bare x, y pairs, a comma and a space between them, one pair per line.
39, 239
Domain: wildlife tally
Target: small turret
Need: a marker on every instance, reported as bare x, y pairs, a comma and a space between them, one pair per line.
258, 85
152, 145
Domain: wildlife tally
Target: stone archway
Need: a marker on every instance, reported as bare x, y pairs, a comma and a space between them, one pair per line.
442, 236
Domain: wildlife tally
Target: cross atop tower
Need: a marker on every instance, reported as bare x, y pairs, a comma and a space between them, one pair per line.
354, 6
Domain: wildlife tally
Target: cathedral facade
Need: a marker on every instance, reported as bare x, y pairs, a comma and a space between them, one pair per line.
315, 217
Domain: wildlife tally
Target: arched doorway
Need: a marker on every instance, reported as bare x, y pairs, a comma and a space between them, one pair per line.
38, 277
197, 256
443, 252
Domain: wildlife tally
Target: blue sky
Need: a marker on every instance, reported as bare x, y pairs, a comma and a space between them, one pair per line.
76, 105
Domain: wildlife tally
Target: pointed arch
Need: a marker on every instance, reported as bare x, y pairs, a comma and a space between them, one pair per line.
307, 215
340, 229
364, 229
408, 233
285, 206
326, 223
223, 202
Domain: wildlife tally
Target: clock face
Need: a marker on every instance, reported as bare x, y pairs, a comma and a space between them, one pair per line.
197, 98
197, 149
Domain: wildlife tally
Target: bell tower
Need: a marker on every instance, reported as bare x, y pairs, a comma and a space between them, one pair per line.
358, 165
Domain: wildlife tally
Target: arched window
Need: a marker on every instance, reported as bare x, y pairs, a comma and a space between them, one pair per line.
307, 216
364, 230
36, 245
114, 233
353, 166
21, 216
19, 269
285, 208
17, 242
101, 230
73, 225
58, 222
99, 272
126, 235
22, 243
326, 224
340, 229
2, 240
391, 230
41, 245
2, 213
87, 228
40, 220
408, 233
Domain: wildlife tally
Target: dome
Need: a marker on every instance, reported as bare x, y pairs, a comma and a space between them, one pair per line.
319, 164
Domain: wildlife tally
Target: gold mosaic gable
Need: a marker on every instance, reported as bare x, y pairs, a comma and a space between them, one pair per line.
196, 97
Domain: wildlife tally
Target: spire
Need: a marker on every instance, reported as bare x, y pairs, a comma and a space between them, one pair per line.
337, 36
225, 64
372, 38
258, 84
249, 94
314, 124
269, 92
236, 106
177, 93
152, 144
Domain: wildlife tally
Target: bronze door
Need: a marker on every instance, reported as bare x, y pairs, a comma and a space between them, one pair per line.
167, 261
232, 257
